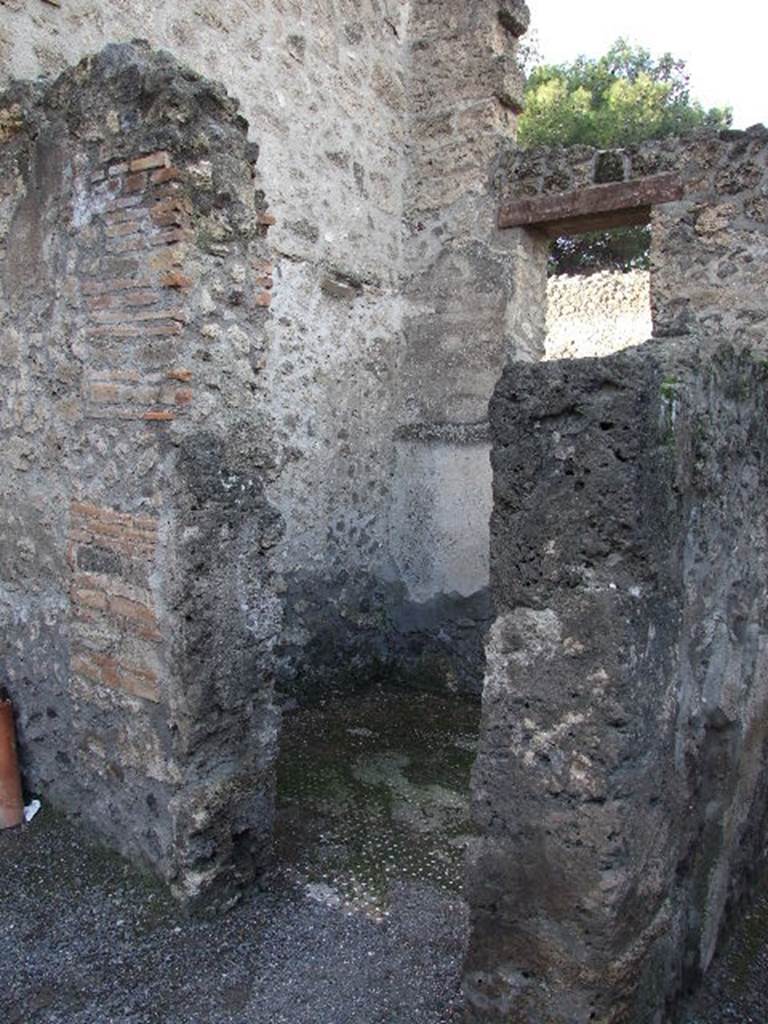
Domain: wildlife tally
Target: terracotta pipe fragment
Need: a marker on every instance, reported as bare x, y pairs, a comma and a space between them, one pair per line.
11, 801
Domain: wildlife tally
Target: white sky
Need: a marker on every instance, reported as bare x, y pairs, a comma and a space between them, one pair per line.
724, 46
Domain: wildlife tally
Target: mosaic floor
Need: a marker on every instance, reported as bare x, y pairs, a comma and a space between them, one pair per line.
373, 790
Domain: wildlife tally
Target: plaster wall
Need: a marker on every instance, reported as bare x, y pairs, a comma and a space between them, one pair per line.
434, 501
377, 124
461, 280
231, 412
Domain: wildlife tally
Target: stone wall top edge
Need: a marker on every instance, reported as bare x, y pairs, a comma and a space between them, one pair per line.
582, 150
682, 354
128, 66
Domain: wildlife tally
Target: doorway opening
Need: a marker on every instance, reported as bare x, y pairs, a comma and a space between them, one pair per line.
598, 292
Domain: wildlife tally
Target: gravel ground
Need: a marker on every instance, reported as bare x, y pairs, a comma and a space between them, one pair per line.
735, 990
85, 939
363, 922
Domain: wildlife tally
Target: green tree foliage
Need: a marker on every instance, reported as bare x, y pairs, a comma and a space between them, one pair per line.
619, 99
622, 98
618, 249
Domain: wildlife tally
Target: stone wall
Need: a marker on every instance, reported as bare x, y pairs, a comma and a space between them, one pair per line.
705, 248
321, 81
323, 85
230, 464
460, 323
137, 596
597, 314
377, 122
621, 787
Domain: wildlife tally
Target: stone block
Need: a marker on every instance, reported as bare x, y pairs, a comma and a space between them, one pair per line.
619, 791
515, 16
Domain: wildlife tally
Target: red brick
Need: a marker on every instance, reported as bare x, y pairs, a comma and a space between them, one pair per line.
175, 279
160, 415
169, 236
138, 615
101, 391
183, 396
169, 190
109, 285
89, 598
267, 219
181, 375
263, 299
164, 174
136, 330
120, 530
136, 546
138, 316
165, 261
103, 514
128, 214
146, 163
140, 297
83, 665
133, 243
174, 203
129, 227
135, 182
170, 211
130, 393
116, 674
169, 219
124, 203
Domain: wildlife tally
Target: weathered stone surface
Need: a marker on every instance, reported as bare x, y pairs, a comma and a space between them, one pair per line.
597, 314
514, 16
137, 634
620, 789
460, 322
172, 381
230, 462
327, 109
341, 163
705, 244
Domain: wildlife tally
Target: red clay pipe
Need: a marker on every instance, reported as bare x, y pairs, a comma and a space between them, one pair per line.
11, 801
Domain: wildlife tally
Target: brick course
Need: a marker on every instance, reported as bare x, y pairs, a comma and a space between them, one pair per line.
115, 632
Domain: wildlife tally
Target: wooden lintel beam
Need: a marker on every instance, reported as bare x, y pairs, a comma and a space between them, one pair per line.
595, 208
597, 222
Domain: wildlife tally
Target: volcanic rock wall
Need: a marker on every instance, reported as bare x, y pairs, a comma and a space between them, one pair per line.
621, 789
